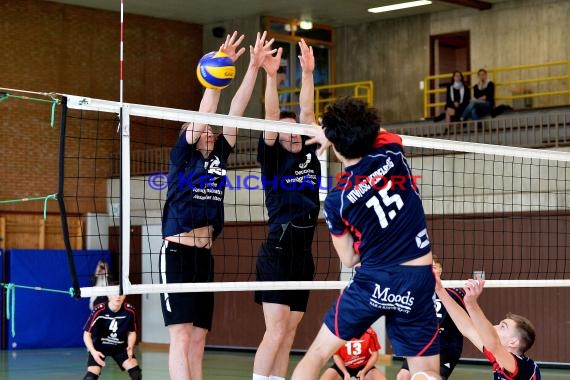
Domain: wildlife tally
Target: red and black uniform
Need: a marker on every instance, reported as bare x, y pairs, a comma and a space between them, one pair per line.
110, 331
356, 352
526, 368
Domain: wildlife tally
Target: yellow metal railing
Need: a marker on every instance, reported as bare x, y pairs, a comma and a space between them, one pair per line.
505, 90
289, 97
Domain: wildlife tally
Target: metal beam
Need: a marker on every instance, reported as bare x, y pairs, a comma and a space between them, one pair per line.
477, 4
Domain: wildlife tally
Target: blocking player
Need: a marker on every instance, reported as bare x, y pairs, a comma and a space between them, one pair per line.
375, 217
356, 359
504, 345
291, 171
193, 217
111, 331
450, 338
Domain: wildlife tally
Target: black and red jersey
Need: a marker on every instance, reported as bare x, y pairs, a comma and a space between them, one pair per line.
110, 330
526, 368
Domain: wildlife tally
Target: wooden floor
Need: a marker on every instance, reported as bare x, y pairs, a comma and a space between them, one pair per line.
68, 364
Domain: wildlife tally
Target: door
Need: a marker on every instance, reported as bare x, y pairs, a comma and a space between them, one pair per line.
448, 52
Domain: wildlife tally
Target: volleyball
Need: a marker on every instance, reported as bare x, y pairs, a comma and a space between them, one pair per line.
215, 70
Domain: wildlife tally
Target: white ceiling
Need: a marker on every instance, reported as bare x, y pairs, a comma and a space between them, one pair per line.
331, 12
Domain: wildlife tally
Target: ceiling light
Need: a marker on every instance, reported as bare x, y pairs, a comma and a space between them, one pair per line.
306, 25
395, 7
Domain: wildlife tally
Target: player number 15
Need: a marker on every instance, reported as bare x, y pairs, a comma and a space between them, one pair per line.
387, 200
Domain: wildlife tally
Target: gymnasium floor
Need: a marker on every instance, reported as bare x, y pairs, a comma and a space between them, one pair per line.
68, 364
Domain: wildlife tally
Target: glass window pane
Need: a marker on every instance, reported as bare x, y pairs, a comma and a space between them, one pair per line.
320, 34
321, 74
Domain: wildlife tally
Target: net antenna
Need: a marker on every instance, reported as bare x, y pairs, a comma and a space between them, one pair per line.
125, 189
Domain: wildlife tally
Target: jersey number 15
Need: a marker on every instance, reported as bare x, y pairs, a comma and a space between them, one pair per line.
374, 202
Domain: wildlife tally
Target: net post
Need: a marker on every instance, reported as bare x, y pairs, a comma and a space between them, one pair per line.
125, 217
61, 200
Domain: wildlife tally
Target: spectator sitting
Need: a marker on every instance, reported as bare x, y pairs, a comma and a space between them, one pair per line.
484, 94
457, 97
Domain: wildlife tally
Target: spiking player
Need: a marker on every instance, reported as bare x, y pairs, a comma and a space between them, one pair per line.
357, 358
293, 213
504, 345
450, 338
194, 216
380, 224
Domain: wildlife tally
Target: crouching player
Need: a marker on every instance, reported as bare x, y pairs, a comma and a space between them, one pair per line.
111, 331
356, 359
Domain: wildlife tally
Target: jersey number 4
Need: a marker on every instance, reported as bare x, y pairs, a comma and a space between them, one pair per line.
374, 202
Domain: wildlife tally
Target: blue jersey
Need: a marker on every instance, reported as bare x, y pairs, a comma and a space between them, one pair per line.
196, 187
291, 183
526, 368
450, 338
377, 201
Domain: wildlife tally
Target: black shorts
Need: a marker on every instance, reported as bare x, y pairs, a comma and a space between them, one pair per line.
447, 364
182, 264
286, 258
119, 355
351, 371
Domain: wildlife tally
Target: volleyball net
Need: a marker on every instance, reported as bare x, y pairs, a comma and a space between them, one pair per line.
498, 212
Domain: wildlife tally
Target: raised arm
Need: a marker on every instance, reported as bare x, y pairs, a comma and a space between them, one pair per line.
458, 315
489, 337
307, 96
209, 104
242, 96
211, 97
271, 66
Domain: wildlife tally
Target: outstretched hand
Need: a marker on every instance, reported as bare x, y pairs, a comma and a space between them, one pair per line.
272, 63
261, 50
306, 59
473, 289
231, 44
320, 139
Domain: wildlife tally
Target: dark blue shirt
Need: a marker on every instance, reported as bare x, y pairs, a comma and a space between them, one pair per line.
196, 187
291, 182
110, 330
526, 368
377, 201
450, 338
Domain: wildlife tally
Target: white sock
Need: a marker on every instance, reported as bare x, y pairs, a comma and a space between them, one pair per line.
276, 378
259, 377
